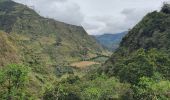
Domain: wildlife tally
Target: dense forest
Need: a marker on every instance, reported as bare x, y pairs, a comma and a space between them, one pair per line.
41, 59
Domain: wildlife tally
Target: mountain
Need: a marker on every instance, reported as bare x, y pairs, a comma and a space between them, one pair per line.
151, 32
40, 35
110, 41
143, 57
41, 43
38, 59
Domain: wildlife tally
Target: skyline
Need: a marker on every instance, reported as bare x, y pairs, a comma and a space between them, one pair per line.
97, 17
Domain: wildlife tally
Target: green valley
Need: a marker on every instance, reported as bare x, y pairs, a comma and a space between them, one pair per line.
45, 59
41, 44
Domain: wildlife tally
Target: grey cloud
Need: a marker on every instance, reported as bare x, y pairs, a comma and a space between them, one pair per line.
93, 27
90, 26
114, 25
96, 16
133, 15
127, 18
61, 10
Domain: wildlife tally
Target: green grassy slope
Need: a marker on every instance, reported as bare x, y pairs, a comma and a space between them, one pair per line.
40, 43
56, 40
8, 51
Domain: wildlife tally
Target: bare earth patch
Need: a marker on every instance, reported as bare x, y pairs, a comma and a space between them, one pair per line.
83, 64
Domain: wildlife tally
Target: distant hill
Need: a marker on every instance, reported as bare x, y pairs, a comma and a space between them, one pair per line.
110, 41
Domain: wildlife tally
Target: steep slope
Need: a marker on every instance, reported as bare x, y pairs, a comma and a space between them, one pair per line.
8, 51
40, 43
46, 36
110, 41
153, 32
143, 58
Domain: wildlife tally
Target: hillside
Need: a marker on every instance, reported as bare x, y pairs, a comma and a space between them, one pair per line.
41, 43
143, 57
43, 59
8, 51
110, 41
152, 32
54, 39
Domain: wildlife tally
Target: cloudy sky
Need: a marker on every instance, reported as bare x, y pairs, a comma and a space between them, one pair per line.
96, 16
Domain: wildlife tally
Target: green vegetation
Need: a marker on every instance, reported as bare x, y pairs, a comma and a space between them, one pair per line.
44, 49
141, 63
143, 58
150, 88
99, 87
8, 51
46, 46
47, 40
13, 79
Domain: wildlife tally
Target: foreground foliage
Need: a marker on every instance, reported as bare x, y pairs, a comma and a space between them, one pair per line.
13, 79
99, 87
150, 89
136, 71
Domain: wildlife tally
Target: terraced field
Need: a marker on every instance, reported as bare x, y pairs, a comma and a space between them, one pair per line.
84, 64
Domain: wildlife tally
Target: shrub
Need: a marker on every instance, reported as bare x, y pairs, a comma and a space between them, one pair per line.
13, 80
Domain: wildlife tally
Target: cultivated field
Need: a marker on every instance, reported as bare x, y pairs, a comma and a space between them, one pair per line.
84, 64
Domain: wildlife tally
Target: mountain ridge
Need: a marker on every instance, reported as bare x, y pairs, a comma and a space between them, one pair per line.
143, 57
150, 36
110, 41
34, 24
42, 44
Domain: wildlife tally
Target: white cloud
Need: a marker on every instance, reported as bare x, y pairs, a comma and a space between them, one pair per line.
96, 16
61, 10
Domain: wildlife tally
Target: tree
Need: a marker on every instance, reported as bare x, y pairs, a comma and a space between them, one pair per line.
141, 63
151, 89
13, 79
166, 8
64, 90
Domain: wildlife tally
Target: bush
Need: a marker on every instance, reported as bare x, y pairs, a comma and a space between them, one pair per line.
141, 63
166, 8
150, 89
13, 80
61, 70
